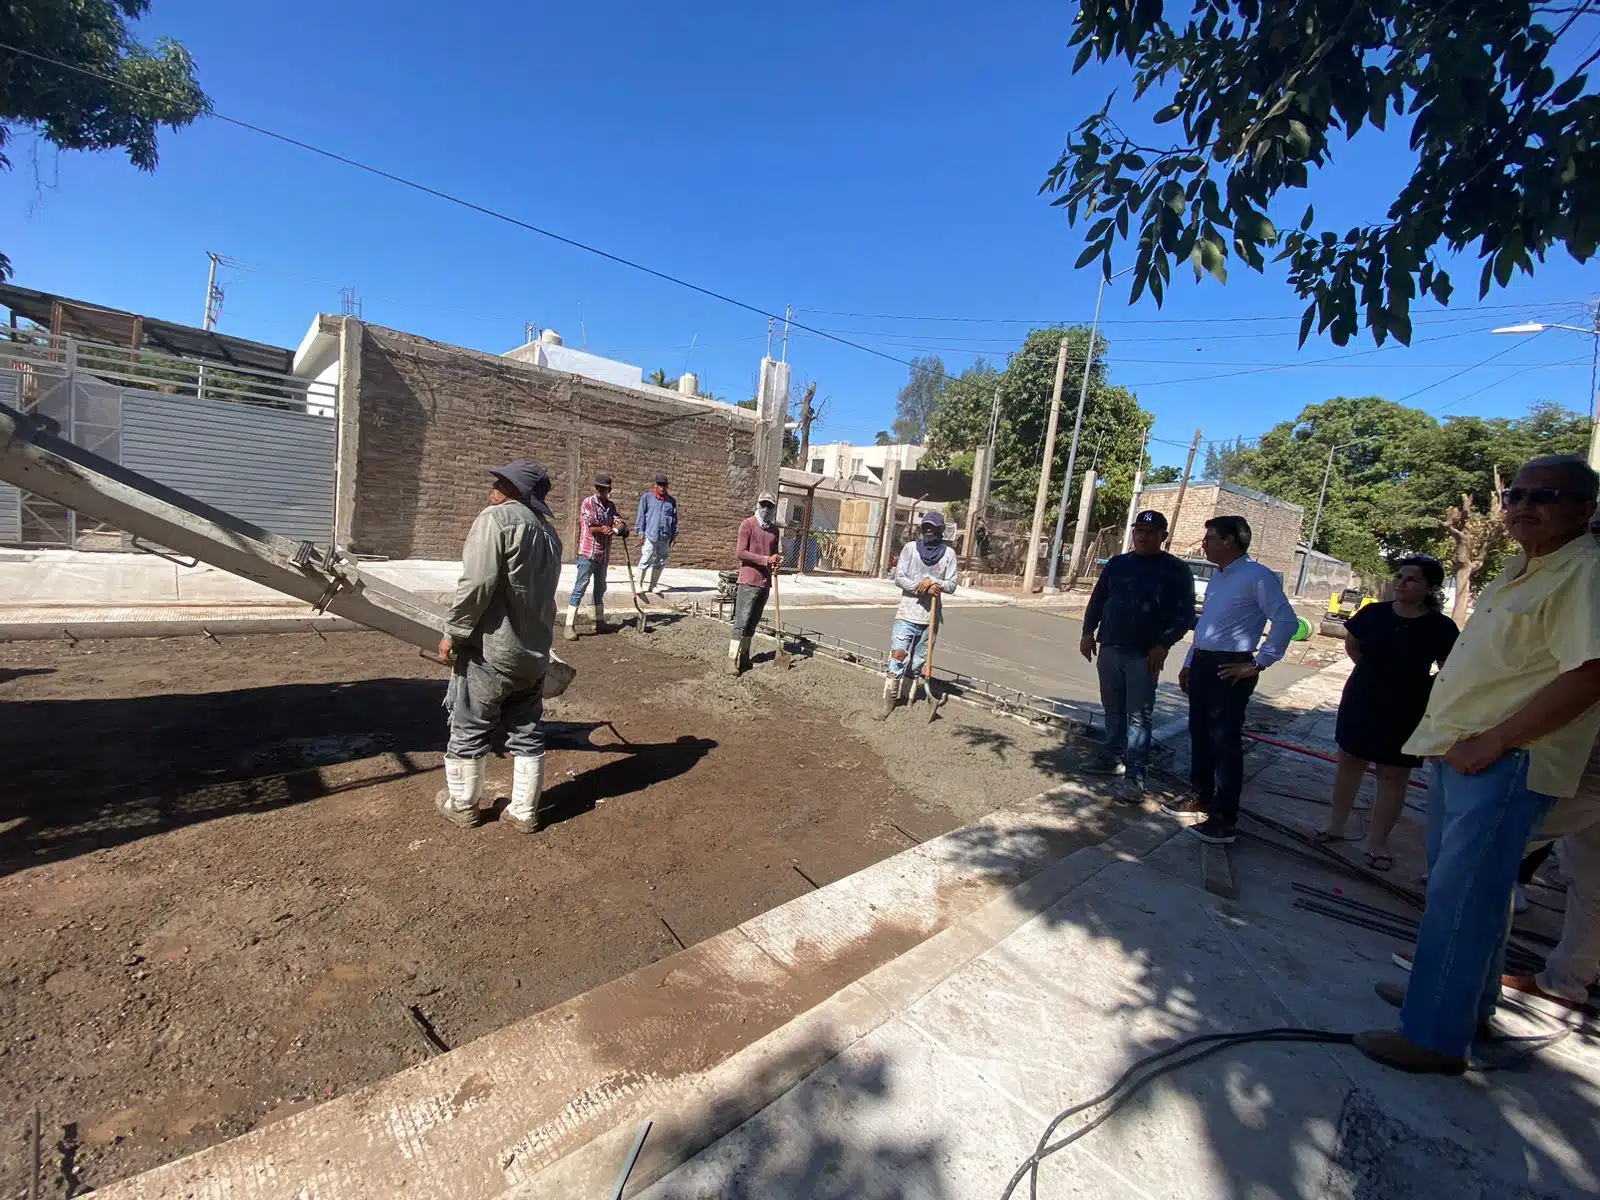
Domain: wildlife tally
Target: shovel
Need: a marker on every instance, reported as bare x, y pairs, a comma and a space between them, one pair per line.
781, 658
627, 557
927, 666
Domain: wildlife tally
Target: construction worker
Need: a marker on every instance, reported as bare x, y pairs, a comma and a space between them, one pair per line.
657, 526
925, 568
497, 636
598, 523
757, 549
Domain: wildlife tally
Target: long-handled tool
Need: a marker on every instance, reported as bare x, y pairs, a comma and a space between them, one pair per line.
627, 557
927, 663
781, 658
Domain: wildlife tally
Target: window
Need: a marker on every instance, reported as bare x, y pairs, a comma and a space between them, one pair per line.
817, 466
855, 466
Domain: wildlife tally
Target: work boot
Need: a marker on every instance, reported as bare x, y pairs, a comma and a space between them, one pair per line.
527, 785
886, 702
733, 657
571, 631
457, 801
1400, 1052
600, 619
1395, 994
744, 654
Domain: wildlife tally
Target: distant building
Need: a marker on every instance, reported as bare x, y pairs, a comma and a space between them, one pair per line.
841, 460
1274, 524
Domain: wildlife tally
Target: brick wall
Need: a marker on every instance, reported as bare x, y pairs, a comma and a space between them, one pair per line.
432, 416
1274, 524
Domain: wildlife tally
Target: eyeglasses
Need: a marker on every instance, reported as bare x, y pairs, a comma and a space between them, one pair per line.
1513, 496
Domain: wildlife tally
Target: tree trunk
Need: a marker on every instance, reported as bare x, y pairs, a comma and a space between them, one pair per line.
1458, 613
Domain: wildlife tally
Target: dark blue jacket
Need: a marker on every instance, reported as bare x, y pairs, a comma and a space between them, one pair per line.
1141, 601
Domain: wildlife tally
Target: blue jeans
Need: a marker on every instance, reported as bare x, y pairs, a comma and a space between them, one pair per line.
589, 571
910, 641
1128, 694
1477, 828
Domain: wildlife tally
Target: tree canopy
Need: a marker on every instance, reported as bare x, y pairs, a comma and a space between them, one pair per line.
142, 89
1505, 151
919, 399
1112, 423
1396, 472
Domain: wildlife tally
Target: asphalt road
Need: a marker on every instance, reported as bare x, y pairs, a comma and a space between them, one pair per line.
1029, 649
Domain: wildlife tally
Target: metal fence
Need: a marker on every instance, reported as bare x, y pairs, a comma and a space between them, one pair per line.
833, 530
253, 443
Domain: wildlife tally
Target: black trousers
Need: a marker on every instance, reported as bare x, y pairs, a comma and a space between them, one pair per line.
1216, 731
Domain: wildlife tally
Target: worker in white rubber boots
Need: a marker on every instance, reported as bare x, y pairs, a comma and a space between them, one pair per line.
925, 568
498, 636
757, 551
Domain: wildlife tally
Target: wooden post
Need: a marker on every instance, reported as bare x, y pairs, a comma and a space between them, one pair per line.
1030, 569
1183, 486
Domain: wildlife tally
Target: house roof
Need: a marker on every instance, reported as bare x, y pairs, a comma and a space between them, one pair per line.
115, 327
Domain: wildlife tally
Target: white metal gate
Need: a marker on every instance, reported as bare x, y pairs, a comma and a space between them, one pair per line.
257, 445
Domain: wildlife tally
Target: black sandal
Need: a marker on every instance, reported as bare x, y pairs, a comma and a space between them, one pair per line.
1381, 861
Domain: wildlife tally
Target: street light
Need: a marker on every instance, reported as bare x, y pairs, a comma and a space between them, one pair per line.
1540, 327
1077, 430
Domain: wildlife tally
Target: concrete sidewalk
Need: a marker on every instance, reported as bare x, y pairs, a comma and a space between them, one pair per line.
93, 594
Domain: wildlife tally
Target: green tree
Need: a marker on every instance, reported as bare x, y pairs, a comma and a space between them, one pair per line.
128, 93
882, 438
658, 378
1167, 474
1505, 154
919, 399
1112, 420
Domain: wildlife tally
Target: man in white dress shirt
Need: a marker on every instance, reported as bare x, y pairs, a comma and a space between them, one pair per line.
1221, 670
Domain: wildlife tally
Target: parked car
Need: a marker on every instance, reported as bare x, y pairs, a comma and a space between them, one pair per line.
1202, 570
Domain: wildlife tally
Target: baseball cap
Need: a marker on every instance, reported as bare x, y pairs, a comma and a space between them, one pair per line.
766, 498
662, 480
602, 480
932, 517
1156, 520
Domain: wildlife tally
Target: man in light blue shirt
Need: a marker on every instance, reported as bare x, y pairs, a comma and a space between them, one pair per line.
657, 524
1221, 670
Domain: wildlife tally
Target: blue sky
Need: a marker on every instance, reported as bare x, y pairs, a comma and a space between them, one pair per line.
846, 159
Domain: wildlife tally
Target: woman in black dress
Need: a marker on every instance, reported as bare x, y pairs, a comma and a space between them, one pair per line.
1395, 648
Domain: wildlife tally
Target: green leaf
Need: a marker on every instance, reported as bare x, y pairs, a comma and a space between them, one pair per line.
1090, 253
1170, 113
1306, 221
1299, 139
1568, 91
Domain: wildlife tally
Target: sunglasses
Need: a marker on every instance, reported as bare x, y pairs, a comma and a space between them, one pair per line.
1513, 496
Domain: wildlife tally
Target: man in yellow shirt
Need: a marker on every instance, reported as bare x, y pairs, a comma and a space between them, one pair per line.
1509, 727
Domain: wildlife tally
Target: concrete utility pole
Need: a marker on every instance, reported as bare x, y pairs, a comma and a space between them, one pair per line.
1030, 570
1594, 369
772, 412
994, 430
1080, 536
213, 310
891, 497
1316, 524
806, 417
980, 484
1133, 498
1183, 486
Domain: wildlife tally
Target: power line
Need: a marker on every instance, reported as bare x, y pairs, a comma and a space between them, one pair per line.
1163, 320
459, 201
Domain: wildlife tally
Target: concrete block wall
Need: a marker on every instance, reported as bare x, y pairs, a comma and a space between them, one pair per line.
432, 416
1274, 524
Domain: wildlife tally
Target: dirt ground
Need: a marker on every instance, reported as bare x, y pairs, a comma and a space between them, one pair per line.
224, 890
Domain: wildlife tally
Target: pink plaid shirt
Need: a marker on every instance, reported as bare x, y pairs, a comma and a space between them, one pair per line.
595, 511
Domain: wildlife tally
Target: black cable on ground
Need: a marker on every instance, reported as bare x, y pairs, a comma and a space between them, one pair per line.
1162, 1062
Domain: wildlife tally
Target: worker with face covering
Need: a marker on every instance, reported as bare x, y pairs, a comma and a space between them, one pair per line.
925, 568
757, 549
497, 636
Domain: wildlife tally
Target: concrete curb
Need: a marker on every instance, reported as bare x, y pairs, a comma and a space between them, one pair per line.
732, 1092
154, 627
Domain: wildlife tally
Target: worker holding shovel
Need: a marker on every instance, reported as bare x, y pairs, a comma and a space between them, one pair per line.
926, 568
757, 550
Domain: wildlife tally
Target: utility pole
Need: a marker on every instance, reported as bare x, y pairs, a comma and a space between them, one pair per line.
1077, 432
1138, 486
1594, 391
1030, 570
1183, 486
788, 313
1316, 524
213, 310
994, 429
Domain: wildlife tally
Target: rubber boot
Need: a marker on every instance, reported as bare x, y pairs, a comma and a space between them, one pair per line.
457, 801
744, 654
527, 784
733, 656
886, 702
600, 618
571, 633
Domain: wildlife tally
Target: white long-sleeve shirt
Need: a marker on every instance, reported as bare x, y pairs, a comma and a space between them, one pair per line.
909, 571
1240, 599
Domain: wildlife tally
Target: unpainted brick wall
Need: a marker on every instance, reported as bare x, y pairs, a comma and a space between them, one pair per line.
1274, 526
433, 416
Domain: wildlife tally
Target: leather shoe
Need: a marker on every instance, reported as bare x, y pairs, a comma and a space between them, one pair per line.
1400, 1052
